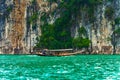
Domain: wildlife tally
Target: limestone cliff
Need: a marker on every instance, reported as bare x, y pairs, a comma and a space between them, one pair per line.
20, 24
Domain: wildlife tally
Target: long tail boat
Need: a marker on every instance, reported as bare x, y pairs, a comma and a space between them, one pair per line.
58, 52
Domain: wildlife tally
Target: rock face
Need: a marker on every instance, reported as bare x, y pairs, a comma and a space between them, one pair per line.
103, 30
18, 31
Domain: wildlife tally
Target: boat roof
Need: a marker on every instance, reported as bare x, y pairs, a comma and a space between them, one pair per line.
61, 50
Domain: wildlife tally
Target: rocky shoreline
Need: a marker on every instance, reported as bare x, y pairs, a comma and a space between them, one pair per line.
95, 50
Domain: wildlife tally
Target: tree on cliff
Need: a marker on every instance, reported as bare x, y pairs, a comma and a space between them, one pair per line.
81, 41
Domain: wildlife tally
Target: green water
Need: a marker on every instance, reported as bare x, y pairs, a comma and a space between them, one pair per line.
82, 67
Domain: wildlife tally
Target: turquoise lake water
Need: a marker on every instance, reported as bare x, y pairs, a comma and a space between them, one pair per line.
79, 67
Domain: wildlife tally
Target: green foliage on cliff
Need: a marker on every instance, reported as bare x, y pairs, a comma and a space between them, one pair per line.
33, 1
117, 31
50, 38
47, 39
52, 0
9, 9
117, 21
81, 43
57, 35
33, 18
82, 32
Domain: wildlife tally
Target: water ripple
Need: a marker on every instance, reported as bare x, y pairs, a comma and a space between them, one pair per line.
95, 67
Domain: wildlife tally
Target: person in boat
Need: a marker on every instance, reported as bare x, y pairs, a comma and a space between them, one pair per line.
44, 51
